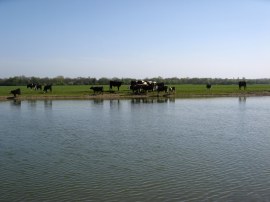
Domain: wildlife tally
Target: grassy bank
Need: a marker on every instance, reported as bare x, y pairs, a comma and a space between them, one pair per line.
181, 91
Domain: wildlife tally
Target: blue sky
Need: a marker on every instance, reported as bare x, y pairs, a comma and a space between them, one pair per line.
135, 38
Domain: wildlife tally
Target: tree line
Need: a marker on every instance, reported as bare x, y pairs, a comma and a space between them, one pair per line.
60, 80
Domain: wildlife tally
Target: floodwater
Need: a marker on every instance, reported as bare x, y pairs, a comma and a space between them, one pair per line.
215, 149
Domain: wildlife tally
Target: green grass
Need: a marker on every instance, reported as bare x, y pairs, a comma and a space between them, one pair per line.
181, 90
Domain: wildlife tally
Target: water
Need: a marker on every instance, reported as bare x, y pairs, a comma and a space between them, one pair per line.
214, 149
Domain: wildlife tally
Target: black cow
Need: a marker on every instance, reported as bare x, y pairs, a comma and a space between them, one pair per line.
16, 92
30, 85
115, 83
47, 87
162, 88
208, 86
97, 89
242, 84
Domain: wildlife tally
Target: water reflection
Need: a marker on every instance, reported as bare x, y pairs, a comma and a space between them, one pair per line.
16, 102
32, 103
115, 104
151, 100
154, 152
242, 100
48, 104
98, 101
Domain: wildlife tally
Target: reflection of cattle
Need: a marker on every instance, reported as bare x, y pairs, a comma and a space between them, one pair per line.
116, 84
208, 86
16, 92
30, 85
97, 89
47, 87
242, 84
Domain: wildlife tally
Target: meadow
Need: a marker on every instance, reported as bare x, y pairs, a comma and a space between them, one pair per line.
187, 90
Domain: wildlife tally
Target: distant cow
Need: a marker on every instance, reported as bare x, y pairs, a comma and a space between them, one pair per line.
16, 92
140, 86
172, 89
116, 84
242, 84
208, 86
38, 87
47, 87
97, 89
162, 88
30, 85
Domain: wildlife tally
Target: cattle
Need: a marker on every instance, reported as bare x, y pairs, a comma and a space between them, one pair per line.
97, 89
160, 84
208, 86
15, 92
162, 88
172, 89
140, 86
115, 83
38, 87
135, 88
47, 87
30, 85
242, 84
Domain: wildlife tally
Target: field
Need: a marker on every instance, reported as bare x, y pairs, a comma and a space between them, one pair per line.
84, 91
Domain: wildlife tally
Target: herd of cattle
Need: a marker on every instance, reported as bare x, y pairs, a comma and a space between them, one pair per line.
35, 86
140, 86
136, 86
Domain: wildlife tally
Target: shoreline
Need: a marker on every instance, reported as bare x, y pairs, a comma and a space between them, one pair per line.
124, 96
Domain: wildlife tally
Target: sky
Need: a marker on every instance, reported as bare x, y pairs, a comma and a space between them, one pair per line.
135, 38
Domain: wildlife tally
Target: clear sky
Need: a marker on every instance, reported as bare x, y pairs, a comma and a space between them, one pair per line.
135, 38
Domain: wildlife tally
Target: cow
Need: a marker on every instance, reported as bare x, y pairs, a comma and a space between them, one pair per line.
208, 86
141, 86
38, 87
97, 89
162, 88
135, 88
172, 89
47, 87
15, 92
30, 85
242, 84
115, 83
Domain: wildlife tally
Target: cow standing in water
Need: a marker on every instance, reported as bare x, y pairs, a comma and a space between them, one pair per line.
242, 84
115, 83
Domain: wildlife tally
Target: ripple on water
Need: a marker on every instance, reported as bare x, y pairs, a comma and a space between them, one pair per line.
188, 150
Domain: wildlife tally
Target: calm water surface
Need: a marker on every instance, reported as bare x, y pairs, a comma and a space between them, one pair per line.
214, 149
